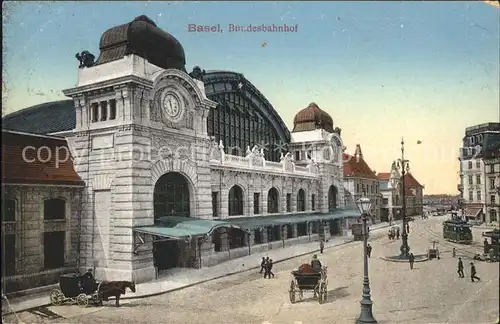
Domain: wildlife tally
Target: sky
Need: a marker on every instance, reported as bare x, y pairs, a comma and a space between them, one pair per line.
383, 70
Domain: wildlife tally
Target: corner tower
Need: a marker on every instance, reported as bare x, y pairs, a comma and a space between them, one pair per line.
139, 116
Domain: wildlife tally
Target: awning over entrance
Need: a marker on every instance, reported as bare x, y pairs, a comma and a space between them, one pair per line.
472, 211
181, 227
251, 223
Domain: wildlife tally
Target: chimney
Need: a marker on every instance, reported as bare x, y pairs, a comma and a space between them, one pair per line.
358, 154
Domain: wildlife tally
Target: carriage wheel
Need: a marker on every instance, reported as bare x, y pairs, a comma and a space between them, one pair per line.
82, 300
56, 297
291, 292
301, 295
322, 293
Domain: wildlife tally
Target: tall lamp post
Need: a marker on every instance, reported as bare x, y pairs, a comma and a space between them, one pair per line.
403, 166
366, 316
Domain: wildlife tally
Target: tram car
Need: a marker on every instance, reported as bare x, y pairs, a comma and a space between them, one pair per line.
458, 231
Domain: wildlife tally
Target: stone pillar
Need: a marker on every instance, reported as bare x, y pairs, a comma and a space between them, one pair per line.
294, 197
295, 230
264, 210
251, 238
264, 235
224, 238
250, 201
224, 202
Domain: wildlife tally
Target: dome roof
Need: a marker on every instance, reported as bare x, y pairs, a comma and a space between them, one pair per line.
312, 118
143, 38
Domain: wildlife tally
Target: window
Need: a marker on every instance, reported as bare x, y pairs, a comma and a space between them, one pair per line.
357, 187
215, 204
492, 183
470, 180
104, 110
478, 164
8, 254
256, 203
112, 109
8, 210
478, 194
470, 165
313, 202
235, 201
385, 201
257, 236
301, 200
54, 209
493, 215
53, 247
493, 199
94, 112
272, 201
471, 196
478, 179
288, 202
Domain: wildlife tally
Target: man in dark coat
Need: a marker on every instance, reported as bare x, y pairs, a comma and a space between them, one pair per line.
266, 267
269, 268
473, 272
460, 270
315, 263
411, 258
321, 246
397, 233
369, 250
262, 265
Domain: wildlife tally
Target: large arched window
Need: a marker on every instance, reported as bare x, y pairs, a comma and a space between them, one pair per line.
272, 201
171, 196
332, 198
235, 201
301, 200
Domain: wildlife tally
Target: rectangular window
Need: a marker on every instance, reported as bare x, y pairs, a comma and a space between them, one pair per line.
478, 194
297, 155
471, 196
288, 202
8, 254
112, 109
94, 112
493, 199
357, 187
215, 204
385, 201
470, 164
470, 180
478, 179
478, 164
256, 202
53, 247
492, 183
8, 210
54, 209
313, 202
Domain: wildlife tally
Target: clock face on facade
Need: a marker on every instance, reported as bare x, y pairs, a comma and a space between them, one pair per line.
172, 106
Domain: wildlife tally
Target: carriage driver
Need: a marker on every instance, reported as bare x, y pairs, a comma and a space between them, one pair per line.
315, 263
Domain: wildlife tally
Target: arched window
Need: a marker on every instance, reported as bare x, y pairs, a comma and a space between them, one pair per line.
171, 196
272, 201
54, 209
235, 201
332, 198
301, 200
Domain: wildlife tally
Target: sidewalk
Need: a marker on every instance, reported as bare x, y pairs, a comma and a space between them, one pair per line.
179, 278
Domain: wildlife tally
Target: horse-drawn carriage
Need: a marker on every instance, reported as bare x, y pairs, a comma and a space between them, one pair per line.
77, 289
315, 281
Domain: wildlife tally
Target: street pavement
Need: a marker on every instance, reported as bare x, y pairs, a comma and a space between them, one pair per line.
431, 293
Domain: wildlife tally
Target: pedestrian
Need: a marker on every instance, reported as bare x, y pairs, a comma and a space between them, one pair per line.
486, 246
321, 246
411, 258
407, 228
473, 272
369, 250
397, 233
266, 272
269, 268
460, 270
454, 253
262, 265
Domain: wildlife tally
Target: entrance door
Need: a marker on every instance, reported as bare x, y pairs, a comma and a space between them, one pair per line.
166, 253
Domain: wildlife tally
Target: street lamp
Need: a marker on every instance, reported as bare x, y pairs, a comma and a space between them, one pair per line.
404, 166
364, 205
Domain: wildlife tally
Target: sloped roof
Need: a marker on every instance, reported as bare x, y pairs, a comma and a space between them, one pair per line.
30, 169
410, 181
46, 118
312, 117
357, 168
384, 175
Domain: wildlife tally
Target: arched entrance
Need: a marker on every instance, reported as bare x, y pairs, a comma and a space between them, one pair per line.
301, 200
332, 198
171, 197
272, 201
235, 201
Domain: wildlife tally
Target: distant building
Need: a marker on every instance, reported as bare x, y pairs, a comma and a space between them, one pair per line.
390, 188
360, 181
491, 160
442, 200
473, 183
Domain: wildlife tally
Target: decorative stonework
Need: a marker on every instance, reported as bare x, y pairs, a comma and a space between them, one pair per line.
164, 166
102, 182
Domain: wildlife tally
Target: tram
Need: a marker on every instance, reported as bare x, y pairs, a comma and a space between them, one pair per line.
494, 247
457, 231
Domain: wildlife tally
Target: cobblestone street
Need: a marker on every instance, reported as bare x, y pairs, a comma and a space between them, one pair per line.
431, 293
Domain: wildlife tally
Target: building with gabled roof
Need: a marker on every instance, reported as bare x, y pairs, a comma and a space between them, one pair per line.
360, 181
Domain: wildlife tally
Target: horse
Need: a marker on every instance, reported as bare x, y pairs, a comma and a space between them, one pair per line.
114, 288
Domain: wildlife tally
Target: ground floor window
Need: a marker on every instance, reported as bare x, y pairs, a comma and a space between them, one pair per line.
302, 229
289, 231
257, 236
237, 238
53, 247
8, 254
256, 203
315, 228
274, 233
